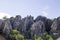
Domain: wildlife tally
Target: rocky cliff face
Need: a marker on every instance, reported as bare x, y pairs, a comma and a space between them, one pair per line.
29, 26
55, 28
38, 28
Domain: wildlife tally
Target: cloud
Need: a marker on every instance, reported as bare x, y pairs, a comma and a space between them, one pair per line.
4, 14
45, 11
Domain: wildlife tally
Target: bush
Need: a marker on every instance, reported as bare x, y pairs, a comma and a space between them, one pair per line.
5, 17
37, 37
16, 35
47, 36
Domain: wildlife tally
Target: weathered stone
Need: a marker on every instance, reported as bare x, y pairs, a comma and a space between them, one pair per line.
48, 24
1, 25
7, 27
12, 20
38, 28
46, 21
29, 27
55, 29
18, 18
42, 18
28, 21
17, 21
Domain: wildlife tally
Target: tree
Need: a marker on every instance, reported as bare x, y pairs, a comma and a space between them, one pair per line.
5, 17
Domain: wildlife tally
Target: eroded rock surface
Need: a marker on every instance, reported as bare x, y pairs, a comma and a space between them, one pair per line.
55, 29
38, 28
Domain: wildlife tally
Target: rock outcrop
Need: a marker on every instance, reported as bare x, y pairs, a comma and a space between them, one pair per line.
38, 28
28, 21
55, 29
1, 25
17, 22
7, 27
47, 22
29, 27
42, 18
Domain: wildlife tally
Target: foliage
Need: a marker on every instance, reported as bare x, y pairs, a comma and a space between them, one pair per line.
37, 37
5, 17
15, 35
47, 36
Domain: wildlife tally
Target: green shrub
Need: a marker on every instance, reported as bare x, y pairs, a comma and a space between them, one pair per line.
15, 35
5, 17
37, 37
47, 36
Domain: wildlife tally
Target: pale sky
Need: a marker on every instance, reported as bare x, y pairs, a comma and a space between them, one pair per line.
48, 8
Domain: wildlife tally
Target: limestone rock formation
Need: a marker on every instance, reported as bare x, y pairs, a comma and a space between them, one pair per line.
29, 27
7, 27
28, 21
47, 22
1, 25
42, 18
55, 29
12, 21
38, 28
16, 22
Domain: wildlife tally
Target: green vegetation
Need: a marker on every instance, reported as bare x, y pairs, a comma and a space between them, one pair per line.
5, 17
47, 36
16, 35
37, 37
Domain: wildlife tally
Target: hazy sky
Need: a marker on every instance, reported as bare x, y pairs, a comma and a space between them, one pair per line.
48, 8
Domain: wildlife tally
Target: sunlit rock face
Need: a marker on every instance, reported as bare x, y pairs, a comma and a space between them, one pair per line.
17, 21
28, 21
38, 28
12, 21
7, 27
55, 28
22, 24
47, 22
